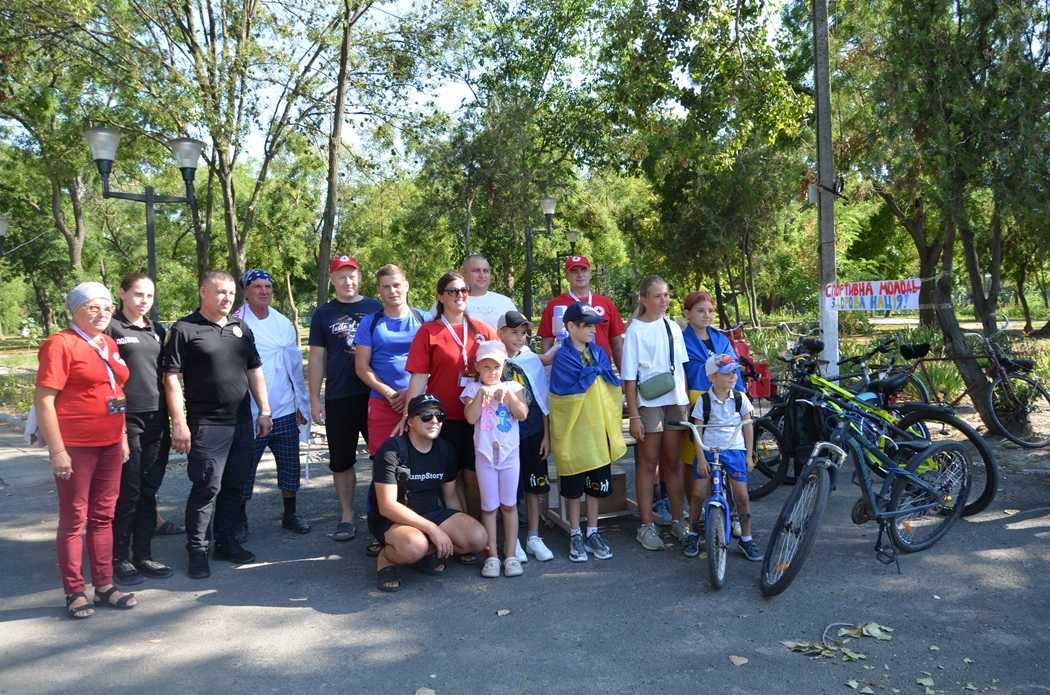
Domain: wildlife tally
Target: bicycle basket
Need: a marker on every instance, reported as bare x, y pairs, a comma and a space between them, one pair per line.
915, 351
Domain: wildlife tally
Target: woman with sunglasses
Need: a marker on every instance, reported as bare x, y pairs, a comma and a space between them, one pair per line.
80, 408
441, 361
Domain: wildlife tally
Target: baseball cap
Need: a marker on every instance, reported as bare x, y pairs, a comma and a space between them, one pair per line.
423, 403
582, 313
512, 319
342, 262
723, 364
577, 262
491, 350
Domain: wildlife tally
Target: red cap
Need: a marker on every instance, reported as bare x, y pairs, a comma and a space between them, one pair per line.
342, 262
577, 262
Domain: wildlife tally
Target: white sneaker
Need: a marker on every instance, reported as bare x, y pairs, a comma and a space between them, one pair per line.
512, 568
538, 549
519, 552
490, 570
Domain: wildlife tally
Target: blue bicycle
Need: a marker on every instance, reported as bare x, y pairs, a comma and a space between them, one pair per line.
717, 508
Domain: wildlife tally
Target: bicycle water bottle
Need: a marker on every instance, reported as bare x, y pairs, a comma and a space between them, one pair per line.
559, 322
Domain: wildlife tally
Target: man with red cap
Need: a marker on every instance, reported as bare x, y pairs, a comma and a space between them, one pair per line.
345, 405
609, 334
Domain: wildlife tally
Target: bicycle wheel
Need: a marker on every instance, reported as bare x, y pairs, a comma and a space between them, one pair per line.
945, 466
796, 528
717, 547
938, 426
770, 462
1021, 409
914, 391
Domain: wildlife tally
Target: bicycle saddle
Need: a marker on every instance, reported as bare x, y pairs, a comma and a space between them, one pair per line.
890, 385
1017, 364
915, 351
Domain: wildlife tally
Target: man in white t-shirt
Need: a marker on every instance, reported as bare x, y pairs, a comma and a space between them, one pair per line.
482, 304
282, 365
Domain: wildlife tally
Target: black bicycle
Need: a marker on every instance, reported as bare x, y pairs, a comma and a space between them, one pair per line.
921, 495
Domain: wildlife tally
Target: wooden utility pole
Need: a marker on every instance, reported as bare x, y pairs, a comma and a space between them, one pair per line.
829, 320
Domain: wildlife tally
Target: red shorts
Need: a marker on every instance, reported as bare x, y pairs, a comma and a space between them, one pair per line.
382, 419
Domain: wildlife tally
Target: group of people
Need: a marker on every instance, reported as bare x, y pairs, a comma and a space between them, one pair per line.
458, 414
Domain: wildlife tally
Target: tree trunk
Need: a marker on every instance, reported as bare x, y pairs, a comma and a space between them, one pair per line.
74, 236
985, 305
292, 308
929, 259
749, 281
236, 251
335, 142
1020, 279
973, 376
466, 227
202, 233
1044, 291
47, 316
720, 304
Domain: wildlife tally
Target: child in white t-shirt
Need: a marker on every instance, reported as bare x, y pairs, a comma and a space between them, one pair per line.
494, 408
729, 408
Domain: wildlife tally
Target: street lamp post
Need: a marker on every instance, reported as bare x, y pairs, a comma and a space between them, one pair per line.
572, 242
103, 143
547, 205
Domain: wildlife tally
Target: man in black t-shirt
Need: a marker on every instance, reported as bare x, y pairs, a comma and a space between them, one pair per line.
345, 406
216, 356
413, 509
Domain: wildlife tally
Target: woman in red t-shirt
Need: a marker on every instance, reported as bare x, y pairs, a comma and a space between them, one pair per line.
441, 360
80, 412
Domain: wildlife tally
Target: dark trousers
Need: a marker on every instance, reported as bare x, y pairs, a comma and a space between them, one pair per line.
219, 462
136, 515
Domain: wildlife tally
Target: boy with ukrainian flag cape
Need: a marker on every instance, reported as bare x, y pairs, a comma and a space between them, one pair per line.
585, 425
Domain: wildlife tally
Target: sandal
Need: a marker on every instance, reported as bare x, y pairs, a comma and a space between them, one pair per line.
431, 565
388, 579
374, 547
467, 559
169, 528
124, 603
344, 531
80, 612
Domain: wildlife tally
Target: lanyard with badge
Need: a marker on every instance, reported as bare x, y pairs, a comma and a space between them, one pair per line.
590, 296
117, 404
464, 378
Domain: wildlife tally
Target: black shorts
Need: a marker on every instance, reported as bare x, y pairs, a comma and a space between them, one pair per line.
596, 483
460, 435
379, 525
345, 420
533, 475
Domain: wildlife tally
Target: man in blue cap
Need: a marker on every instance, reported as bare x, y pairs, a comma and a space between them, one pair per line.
282, 365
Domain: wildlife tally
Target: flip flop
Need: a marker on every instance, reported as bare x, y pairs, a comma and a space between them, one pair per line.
344, 531
388, 579
431, 565
467, 559
169, 528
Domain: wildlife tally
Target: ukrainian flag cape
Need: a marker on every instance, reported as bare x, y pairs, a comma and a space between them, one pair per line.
585, 413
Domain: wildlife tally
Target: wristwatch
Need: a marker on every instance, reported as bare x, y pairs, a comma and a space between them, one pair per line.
264, 413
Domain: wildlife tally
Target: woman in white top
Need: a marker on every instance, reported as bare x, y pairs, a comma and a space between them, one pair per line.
654, 352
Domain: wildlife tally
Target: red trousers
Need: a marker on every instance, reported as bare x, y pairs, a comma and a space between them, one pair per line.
87, 499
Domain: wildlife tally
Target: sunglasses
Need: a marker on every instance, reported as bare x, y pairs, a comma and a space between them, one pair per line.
457, 290
427, 417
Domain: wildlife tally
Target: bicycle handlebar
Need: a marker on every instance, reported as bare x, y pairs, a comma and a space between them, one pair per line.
698, 437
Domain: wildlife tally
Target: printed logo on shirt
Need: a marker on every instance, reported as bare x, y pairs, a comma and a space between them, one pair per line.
426, 476
600, 310
238, 332
128, 340
345, 327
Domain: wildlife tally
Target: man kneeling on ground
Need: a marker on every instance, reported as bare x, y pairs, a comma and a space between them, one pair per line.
413, 509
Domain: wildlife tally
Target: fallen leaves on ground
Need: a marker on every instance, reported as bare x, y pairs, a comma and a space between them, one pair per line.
738, 660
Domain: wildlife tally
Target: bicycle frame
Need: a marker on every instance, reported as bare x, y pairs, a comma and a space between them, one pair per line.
717, 499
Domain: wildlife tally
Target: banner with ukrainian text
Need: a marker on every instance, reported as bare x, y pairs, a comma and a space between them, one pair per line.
873, 295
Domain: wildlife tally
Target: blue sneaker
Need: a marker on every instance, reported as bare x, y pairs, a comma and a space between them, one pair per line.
662, 512
750, 550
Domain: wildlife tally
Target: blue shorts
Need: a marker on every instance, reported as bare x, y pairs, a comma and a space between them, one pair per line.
734, 460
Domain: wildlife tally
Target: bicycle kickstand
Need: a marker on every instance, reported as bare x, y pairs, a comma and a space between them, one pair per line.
886, 553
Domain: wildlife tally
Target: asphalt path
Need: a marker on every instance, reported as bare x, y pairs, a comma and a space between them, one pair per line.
971, 614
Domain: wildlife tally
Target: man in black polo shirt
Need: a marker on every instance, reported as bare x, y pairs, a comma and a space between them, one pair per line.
216, 356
